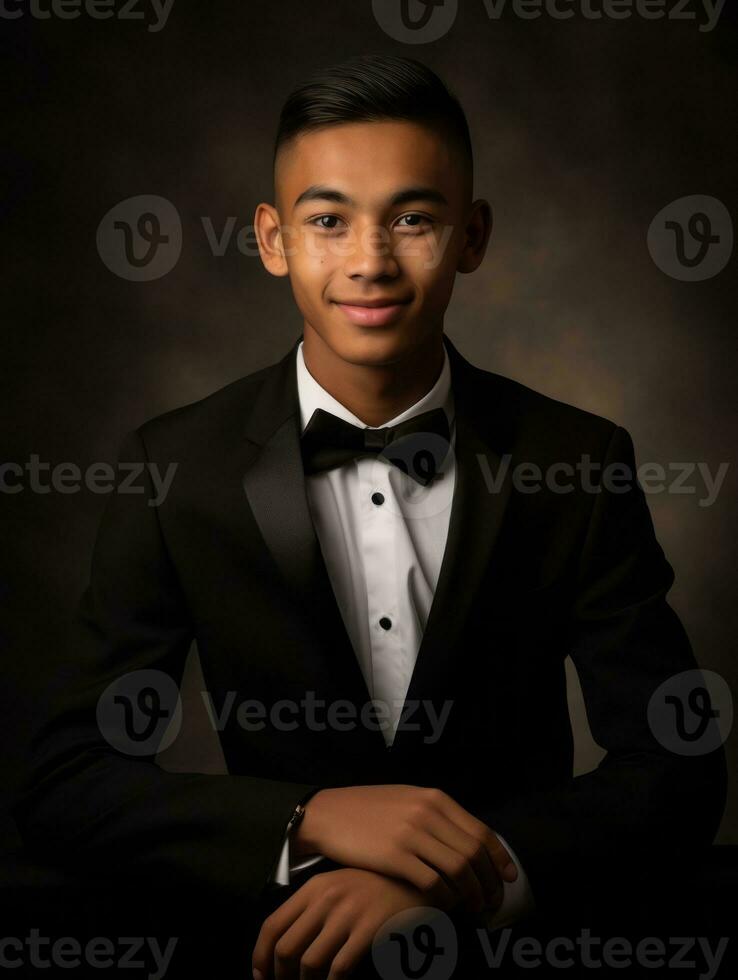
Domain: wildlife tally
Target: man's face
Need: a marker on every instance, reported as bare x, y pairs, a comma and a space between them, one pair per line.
371, 213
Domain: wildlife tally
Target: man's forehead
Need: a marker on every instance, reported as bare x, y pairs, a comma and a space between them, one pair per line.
365, 162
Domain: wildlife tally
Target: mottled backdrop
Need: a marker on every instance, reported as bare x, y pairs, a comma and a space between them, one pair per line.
584, 129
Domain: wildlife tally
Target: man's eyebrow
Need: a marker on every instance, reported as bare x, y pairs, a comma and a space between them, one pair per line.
320, 192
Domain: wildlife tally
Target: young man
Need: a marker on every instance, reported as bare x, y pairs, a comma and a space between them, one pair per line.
345, 541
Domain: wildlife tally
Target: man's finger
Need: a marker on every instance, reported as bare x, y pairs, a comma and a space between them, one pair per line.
420, 874
320, 954
291, 945
454, 866
272, 928
350, 954
499, 854
475, 851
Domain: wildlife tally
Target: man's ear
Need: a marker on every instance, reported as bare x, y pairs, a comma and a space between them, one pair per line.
269, 239
477, 232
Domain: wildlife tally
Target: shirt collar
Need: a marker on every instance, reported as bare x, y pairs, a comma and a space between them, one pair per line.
313, 396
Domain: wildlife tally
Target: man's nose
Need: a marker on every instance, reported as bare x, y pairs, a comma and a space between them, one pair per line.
370, 252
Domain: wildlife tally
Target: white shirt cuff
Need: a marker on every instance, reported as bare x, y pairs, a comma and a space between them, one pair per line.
517, 899
285, 868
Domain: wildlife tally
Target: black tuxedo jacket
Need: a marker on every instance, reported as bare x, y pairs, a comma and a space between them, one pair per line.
231, 559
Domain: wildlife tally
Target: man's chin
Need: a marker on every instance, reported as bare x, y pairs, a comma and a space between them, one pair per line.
370, 346
374, 350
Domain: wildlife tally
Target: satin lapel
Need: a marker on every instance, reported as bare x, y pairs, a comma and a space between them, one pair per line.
476, 518
274, 484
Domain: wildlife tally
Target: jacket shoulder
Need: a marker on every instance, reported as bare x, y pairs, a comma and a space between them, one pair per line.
217, 418
551, 424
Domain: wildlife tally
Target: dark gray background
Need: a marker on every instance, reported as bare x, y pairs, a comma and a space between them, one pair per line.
583, 131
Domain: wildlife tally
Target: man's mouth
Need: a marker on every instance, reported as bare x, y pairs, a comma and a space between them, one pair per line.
372, 312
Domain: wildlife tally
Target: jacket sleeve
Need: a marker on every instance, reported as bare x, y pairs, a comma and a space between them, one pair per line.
92, 805
645, 803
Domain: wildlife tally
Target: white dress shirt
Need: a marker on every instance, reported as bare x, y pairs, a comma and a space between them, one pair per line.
382, 536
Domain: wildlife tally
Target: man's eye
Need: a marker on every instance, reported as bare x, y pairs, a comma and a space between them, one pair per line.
414, 220
319, 222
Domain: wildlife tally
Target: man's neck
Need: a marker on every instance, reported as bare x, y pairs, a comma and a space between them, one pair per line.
374, 393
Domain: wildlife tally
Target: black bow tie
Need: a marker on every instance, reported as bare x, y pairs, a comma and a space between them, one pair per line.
418, 446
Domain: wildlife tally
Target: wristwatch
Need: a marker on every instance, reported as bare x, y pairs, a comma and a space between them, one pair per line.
299, 812
296, 817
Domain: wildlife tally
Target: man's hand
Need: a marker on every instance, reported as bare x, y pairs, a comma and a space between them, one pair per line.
328, 925
411, 832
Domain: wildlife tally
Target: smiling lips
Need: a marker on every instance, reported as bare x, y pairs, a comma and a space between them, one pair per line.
373, 313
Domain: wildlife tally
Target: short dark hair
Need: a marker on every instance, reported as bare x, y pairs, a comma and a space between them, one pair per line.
373, 87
